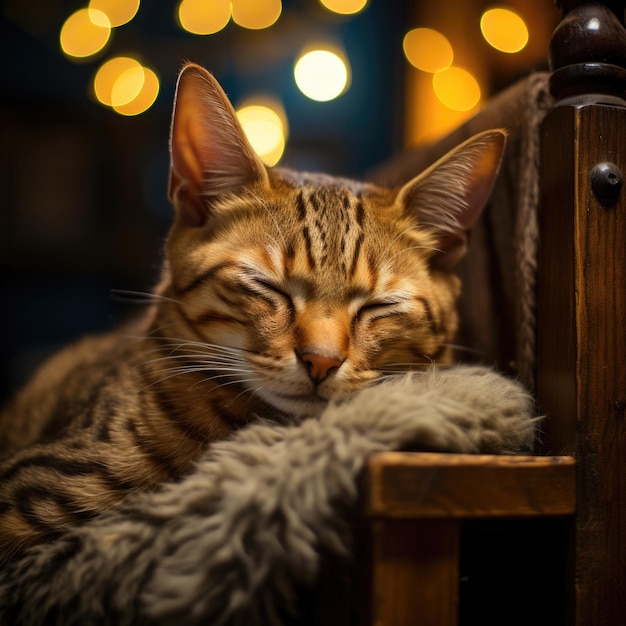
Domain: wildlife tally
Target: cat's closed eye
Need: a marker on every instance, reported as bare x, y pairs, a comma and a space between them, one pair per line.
265, 285
379, 308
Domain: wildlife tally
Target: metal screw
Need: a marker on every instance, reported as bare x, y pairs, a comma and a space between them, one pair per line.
606, 182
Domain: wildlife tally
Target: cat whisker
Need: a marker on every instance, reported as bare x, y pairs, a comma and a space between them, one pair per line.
180, 343
460, 348
404, 368
237, 381
252, 391
415, 248
201, 358
153, 330
208, 366
129, 296
181, 371
398, 236
175, 353
147, 297
139, 297
198, 349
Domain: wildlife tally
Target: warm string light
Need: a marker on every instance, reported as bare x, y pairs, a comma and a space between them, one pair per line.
126, 86
207, 17
200, 17
85, 33
344, 7
256, 14
119, 12
430, 51
456, 88
427, 50
322, 73
121, 83
264, 122
504, 30
129, 88
144, 99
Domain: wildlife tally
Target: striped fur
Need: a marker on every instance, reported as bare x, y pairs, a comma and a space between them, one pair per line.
281, 291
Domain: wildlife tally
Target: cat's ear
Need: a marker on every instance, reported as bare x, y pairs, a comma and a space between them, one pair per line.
450, 195
209, 152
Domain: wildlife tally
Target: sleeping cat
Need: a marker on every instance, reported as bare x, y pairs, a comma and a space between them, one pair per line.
280, 292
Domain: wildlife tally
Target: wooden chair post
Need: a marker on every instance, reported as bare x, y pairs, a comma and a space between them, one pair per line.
581, 315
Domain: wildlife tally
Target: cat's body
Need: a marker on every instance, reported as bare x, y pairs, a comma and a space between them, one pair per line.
281, 291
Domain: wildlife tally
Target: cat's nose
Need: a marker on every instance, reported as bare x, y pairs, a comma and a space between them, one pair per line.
319, 365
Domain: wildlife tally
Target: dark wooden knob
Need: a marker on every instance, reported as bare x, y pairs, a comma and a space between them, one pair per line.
606, 182
587, 53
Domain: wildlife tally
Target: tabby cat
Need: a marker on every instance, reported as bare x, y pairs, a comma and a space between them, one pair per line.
280, 291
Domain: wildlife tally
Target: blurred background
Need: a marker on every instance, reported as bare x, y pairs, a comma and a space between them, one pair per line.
85, 98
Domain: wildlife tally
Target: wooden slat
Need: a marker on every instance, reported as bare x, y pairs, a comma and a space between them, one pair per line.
432, 485
415, 572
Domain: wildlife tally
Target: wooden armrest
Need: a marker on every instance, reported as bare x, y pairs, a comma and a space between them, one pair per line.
405, 485
416, 503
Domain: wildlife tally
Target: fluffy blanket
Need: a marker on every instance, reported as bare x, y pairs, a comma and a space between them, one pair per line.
237, 540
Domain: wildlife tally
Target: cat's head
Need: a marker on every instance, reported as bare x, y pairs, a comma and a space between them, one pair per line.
316, 285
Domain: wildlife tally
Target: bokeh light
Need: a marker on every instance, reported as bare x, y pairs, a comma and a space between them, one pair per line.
85, 33
322, 74
345, 7
118, 11
427, 50
127, 86
144, 99
504, 29
456, 88
256, 14
265, 125
109, 73
203, 17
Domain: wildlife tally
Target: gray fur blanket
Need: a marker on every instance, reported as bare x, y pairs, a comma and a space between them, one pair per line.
237, 539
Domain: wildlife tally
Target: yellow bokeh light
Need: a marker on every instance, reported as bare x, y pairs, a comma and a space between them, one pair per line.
118, 11
504, 29
107, 76
427, 50
256, 14
146, 97
127, 86
85, 33
203, 17
456, 88
322, 75
345, 7
265, 126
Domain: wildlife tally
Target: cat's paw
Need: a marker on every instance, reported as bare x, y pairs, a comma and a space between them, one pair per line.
461, 409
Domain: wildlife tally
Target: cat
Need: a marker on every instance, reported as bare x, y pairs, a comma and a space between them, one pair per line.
280, 291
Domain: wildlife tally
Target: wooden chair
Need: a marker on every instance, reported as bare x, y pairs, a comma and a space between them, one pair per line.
457, 539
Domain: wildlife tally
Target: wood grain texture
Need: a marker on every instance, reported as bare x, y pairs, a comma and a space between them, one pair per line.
431, 485
415, 572
581, 376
